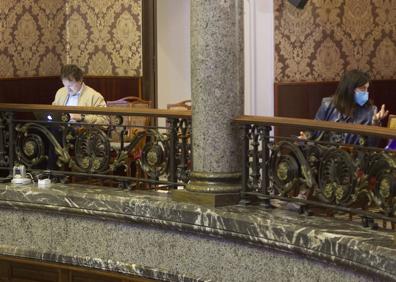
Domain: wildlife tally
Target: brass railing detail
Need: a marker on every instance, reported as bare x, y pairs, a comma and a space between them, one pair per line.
88, 150
312, 173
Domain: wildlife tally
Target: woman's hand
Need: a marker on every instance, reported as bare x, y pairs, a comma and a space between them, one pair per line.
381, 114
302, 136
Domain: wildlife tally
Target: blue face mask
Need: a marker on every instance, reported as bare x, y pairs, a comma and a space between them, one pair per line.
361, 97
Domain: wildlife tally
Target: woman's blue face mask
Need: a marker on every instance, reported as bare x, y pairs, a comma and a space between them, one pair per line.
361, 97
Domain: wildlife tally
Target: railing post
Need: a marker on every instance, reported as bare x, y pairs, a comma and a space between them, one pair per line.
183, 165
255, 156
264, 165
172, 177
11, 142
3, 153
245, 165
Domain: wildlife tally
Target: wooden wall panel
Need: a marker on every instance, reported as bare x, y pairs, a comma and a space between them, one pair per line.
41, 90
302, 99
27, 270
113, 88
35, 90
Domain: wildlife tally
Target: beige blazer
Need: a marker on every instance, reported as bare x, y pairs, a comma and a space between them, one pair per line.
88, 98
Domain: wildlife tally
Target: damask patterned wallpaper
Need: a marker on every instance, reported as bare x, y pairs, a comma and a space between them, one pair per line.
105, 36
38, 36
328, 37
32, 41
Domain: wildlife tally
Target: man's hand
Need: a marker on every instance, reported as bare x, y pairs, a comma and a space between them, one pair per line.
75, 117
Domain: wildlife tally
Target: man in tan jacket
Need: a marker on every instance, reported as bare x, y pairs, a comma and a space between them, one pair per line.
76, 93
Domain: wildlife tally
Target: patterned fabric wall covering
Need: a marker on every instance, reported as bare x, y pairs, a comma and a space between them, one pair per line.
38, 36
32, 38
105, 36
328, 37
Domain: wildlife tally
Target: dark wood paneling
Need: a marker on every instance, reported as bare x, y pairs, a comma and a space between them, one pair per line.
35, 90
26, 270
302, 99
41, 90
114, 88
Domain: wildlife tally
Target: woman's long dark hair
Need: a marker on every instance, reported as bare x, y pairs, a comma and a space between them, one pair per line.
343, 98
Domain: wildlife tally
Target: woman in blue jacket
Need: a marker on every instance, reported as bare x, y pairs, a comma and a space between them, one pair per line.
349, 104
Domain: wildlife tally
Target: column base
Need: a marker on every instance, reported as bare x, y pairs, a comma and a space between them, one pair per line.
219, 182
206, 199
211, 189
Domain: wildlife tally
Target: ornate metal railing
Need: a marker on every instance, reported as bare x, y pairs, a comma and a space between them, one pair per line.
315, 175
160, 155
335, 177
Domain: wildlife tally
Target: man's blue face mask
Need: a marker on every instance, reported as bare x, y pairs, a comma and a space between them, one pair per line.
361, 97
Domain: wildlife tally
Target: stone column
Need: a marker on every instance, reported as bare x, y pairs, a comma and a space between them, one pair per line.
217, 77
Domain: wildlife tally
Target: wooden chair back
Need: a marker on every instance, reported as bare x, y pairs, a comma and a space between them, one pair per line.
131, 121
391, 124
183, 105
392, 121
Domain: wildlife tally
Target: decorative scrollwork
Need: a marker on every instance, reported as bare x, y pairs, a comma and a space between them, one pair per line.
254, 162
92, 150
313, 154
183, 150
289, 169
381, 179
30, 147
154, 159
337, 178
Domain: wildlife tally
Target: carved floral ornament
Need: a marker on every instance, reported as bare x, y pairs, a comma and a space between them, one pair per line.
38, 36
327, 37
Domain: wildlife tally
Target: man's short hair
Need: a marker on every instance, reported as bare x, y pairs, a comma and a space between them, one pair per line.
71, 72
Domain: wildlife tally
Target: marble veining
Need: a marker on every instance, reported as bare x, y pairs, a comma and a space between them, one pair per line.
337, 241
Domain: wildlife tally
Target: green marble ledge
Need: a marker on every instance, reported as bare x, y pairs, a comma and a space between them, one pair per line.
49, 223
